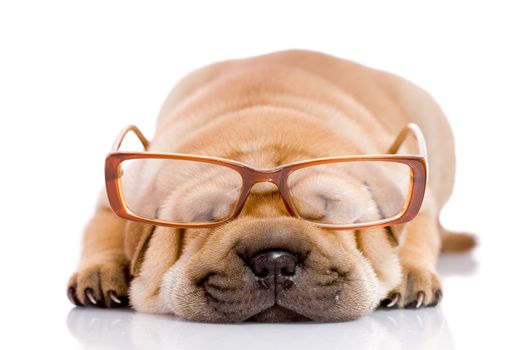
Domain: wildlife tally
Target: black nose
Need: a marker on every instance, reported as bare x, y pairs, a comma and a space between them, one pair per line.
276, 263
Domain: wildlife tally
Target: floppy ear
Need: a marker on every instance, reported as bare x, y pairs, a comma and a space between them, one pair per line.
389, 200
136, 242
395, 232
138, 239
138, 235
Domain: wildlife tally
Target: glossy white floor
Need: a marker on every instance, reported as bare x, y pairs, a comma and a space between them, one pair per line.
74, 73
482, 307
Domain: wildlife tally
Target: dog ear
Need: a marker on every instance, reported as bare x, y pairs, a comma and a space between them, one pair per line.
138, 235
395, 232
389, 200
136, 242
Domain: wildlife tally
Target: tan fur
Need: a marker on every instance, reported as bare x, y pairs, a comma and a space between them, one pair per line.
266, 111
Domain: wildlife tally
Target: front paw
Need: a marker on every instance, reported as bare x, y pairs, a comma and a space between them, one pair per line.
419, 287
101, 285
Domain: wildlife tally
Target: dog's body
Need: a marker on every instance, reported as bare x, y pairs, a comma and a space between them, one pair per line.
266, 111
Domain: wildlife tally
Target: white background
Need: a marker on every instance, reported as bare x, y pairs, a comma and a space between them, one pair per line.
73, 73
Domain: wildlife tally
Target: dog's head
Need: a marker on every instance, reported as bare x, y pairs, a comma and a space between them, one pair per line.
263, 265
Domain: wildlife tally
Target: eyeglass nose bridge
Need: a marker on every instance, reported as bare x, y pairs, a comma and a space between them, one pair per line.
255, 176
275, 176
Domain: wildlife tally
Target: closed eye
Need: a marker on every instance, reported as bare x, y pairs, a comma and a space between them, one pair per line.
205, 203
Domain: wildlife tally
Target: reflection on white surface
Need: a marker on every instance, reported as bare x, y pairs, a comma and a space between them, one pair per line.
383, 329
457, 265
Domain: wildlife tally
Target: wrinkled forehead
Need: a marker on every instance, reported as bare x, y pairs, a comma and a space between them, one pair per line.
168, 174
159, 177
171, 173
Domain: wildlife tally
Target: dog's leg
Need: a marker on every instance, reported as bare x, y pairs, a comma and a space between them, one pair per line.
102, 277
418, 254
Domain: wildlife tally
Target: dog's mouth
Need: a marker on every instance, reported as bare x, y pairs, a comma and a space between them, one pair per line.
274, 286
277, 313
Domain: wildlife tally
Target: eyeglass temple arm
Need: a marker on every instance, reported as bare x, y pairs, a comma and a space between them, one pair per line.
414, 130
124, 132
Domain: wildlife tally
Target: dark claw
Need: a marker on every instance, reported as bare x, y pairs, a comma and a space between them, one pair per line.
392, 302
116, 301
125, 301
385, 302
89, 298
112, 296
437, 298
71, 294
420, 299
416, 304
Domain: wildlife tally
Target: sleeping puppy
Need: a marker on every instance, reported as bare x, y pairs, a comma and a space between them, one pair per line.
266, 265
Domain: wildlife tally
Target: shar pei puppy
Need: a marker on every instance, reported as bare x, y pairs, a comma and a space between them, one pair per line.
284, 187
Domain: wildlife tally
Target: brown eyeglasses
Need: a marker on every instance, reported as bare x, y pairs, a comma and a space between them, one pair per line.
191, 191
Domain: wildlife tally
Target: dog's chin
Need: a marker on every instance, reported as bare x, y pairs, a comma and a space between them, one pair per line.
278, 313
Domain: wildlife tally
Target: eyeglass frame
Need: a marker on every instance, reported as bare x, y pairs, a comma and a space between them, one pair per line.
278, 176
